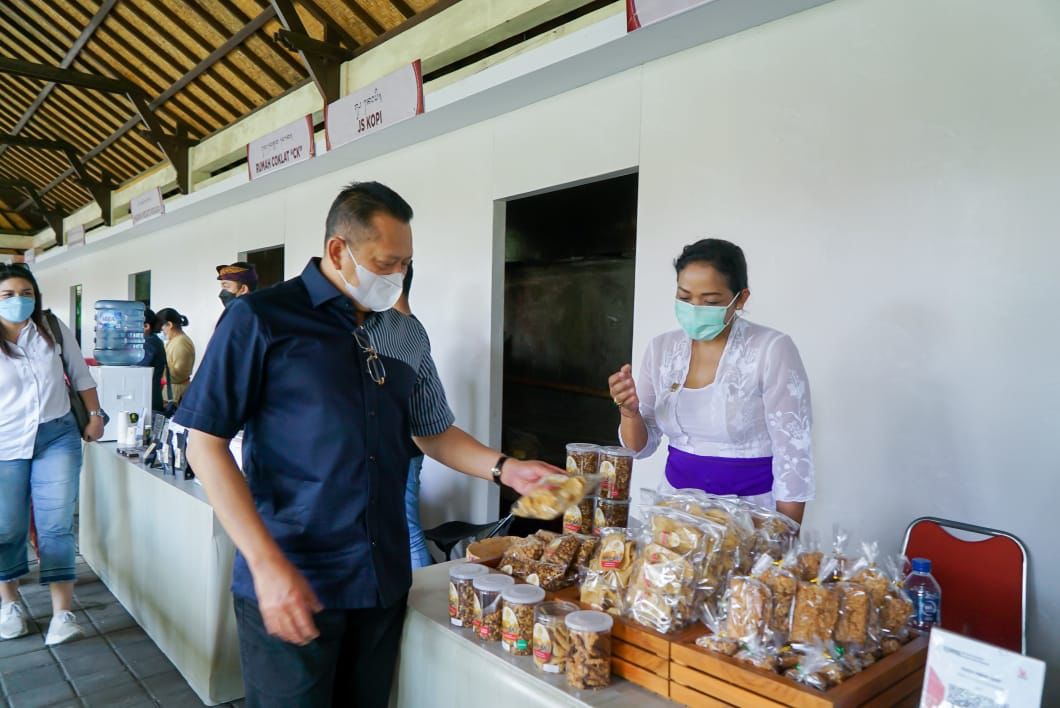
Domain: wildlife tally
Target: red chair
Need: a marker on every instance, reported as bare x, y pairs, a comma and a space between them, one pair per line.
984, 581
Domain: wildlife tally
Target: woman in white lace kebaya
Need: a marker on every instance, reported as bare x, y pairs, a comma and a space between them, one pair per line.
730, 396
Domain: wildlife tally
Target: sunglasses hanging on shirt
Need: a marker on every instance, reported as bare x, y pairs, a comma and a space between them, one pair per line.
375, 364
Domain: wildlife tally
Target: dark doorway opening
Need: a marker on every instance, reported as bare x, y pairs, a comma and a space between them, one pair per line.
568, 316
140, 287
269, 264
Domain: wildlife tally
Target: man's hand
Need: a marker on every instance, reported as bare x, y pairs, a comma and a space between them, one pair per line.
522, 476
286, 602
94, 429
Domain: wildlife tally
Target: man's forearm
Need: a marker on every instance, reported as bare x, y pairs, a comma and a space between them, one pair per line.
229, 495
455, 448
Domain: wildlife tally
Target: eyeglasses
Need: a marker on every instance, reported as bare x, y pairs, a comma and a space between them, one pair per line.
375, 365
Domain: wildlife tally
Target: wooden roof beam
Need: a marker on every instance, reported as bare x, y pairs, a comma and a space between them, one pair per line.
66, 63
54, 216
56, 75
331, 24
321, 60
99, 189
403, 7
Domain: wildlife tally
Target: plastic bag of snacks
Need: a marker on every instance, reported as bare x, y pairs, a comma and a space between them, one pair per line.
488, 589
759, 653
551, 638
896, 610
589, 665
586, 550
749, 605
578, 518
546, 536
517, 618
553, 494
616, 469
662, 590
462, 592
550, 576
809, 557
519, 557
607, 574
872, 576
816, 608
582, 459
817, 667
775, 533
782, 582
840, 551
561, 550
730, 523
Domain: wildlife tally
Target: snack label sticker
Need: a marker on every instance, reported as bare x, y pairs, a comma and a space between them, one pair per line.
454, 600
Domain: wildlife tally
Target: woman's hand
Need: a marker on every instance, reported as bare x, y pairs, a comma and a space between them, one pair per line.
624, 392
94, 429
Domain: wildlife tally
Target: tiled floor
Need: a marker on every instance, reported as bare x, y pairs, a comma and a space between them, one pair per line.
116, 665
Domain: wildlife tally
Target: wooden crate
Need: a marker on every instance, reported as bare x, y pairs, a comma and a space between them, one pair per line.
699, 677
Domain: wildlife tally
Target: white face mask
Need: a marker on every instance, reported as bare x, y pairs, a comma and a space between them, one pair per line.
376, 292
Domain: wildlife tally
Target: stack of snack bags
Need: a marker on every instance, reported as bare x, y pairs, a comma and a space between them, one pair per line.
548, 559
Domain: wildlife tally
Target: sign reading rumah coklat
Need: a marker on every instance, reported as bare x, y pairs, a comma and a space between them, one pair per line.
396, 97
641, 13
76, 236
289, 145
146, 206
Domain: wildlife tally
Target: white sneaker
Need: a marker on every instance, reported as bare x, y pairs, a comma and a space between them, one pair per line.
12, 621
63, 628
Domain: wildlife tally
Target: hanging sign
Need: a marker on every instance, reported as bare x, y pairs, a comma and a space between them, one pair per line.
146, 206
965, 672
395, 97
281, 148
76, 236
641, 13
30, 257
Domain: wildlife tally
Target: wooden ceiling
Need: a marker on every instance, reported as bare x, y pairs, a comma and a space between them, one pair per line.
93, 93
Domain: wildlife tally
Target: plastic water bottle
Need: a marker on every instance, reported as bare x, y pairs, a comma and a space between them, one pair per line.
926, 595
119, 332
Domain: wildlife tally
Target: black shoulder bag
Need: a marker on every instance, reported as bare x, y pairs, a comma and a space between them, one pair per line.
77, 405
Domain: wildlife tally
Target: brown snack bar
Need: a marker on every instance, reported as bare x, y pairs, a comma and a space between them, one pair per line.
852, 626
750, 608
561, 551
586, 550
783, 585
815, 613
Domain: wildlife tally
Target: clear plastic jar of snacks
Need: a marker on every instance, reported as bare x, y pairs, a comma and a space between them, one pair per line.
589, 663
462, 592
579, 518
488, 589
551, 638
582, 458
611, 513
616, 470
517, 618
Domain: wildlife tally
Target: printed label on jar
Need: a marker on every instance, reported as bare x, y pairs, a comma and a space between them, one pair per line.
476, 623
454, 600
572, 465
599, 519
607, 470
572, 520
542, 643
509, 628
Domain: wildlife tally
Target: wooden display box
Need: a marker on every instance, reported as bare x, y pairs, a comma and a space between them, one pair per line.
699, 677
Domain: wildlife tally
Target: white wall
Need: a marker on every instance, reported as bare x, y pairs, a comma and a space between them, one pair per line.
890, 167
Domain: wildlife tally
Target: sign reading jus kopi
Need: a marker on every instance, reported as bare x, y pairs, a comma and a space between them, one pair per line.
146, 206
641, 13
396, 97
281, 148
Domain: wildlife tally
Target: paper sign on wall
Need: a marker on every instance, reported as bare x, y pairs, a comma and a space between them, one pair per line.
75, 236
148, 205
281, 148
965, 672
641, 13
395, 97
29, 257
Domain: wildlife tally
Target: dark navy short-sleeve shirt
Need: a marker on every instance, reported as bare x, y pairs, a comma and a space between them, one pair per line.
324, 446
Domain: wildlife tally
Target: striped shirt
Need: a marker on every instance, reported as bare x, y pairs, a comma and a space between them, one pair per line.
325, 448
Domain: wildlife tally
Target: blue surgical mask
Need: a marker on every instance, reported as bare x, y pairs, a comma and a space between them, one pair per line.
17, 309
703, 322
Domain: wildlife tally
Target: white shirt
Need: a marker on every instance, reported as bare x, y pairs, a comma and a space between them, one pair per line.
758, 405
33, 388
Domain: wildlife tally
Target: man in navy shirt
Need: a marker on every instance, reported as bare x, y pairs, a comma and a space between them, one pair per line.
327, 381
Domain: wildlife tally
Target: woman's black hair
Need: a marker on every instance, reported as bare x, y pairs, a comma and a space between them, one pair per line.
168, 314
17, 270
151, 320
724, 256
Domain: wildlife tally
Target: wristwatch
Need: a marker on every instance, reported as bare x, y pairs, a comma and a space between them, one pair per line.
496, 471
98, 413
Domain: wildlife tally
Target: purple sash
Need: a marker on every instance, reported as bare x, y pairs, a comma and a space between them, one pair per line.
745, 477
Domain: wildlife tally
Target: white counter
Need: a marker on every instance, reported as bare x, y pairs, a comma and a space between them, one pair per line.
157, 545
442, 665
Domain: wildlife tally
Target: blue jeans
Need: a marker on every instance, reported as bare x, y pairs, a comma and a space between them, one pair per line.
50, 479
417, 543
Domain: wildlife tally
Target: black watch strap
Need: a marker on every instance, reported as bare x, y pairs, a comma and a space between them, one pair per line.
496, 471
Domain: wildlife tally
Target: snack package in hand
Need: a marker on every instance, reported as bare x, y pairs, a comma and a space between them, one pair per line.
816, 609
554, 494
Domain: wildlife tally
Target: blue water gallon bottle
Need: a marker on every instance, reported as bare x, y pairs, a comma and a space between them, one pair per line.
119, 332
926, 595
